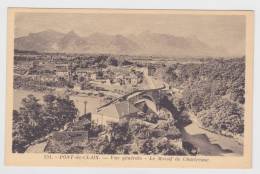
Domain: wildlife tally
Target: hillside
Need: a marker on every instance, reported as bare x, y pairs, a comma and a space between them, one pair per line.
214, 91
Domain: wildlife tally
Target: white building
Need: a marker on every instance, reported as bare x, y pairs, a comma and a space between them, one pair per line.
117, 111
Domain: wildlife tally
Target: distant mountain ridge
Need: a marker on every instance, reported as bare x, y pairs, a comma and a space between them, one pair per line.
145, 43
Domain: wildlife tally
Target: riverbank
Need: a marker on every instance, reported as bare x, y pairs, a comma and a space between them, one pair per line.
210, 143
238, 138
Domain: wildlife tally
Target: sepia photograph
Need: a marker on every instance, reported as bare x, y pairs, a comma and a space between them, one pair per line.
129, 83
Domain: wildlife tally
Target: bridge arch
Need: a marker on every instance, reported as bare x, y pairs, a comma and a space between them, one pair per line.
150, 104
149, 97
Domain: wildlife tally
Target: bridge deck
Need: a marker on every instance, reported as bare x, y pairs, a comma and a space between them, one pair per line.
126, 96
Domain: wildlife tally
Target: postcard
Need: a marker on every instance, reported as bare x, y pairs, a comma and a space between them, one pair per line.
129, 88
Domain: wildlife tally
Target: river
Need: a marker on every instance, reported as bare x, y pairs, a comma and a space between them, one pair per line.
209, 143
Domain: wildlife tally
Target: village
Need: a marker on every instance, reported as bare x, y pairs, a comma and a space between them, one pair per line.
128, 94
123, 106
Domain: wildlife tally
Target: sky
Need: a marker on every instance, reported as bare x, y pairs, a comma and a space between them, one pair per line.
215, 30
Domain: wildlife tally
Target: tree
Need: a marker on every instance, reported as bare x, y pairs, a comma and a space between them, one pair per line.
166, 148
65, 111
112, 61
22, 136
120, 133
81, 79
224, 116
179, 103
34, 120
148, 147
31, 111
26, 123
125, 62
49, 99
49, 117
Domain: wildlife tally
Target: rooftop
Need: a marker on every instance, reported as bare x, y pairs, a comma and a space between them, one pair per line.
85, 70
119, 110
61, 69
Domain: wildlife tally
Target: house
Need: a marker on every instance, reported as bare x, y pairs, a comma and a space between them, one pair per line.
85, 117
87, 73
42, 70
99, 75
65, 141
25, 64
62, 71
120, 77
93, 76
108, 82
82, 123
176, 142
48, 78
35, 63
151, 70
118, 111
77, 87
134, 80
76, 138
82, 71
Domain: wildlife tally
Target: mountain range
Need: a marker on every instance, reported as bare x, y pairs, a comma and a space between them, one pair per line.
144, 43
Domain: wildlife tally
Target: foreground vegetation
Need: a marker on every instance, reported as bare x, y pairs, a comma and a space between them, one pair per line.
34, 120
135, 136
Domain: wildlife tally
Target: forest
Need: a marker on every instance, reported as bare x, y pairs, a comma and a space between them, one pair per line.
214, 91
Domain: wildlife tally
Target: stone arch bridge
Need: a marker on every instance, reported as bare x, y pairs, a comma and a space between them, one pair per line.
153, 95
